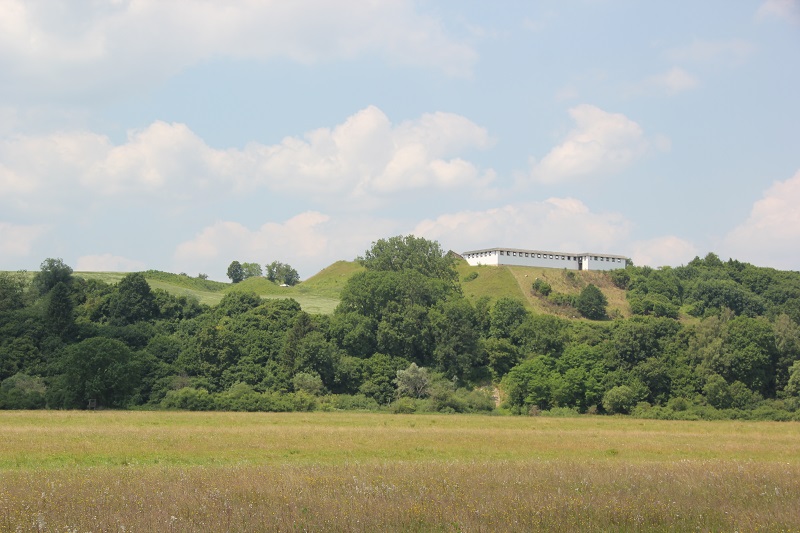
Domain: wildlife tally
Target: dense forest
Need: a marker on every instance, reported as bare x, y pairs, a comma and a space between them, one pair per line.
710, 339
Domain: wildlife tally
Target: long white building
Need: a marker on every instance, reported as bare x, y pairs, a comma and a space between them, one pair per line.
542, 258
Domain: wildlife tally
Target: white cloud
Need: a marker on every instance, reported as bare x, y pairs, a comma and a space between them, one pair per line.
367, 155
71, 47
663, 251
557, 223
309, 242
771, 234
601, 143
108, 263
361, 160
788, 10
16, 240
675, 80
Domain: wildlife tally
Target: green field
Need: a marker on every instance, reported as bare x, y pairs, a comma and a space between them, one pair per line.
175, 471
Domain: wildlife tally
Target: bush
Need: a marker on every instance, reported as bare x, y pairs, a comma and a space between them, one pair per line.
189, 399
310, 383
563, 300
620, 399
678, 403
403, 406
350, 402
21, 391
592, 303
240, 397
542, 287
469, 277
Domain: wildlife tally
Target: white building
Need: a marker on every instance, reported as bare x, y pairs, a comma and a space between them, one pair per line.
542, 258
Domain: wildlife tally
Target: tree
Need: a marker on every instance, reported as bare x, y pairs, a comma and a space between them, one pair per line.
252, 270
620, 399
278, 272
506, 316
235, 272
592, 303
52, 271
98, 368
309, 382
413, 382
457, 349
530, 383
133, 301
410, 253
12, 289
793, 386
60, 310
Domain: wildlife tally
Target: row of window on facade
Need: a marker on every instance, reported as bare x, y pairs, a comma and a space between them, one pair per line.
546, 256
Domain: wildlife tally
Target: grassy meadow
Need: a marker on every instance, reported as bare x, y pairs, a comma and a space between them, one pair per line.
176, 471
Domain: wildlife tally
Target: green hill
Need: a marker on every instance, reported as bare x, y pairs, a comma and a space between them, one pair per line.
515, 282
320, 293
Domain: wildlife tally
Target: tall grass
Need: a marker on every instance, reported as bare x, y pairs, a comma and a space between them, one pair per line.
408, 496
150, 471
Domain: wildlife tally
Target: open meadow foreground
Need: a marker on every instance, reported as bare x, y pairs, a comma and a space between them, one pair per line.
177, 471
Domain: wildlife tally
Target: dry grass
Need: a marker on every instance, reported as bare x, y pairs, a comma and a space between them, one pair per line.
408, 496
69, 471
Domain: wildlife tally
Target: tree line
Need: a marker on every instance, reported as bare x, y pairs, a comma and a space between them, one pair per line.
710, 339
276, 272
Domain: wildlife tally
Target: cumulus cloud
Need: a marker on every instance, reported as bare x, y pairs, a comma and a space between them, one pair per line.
364, 158
368, 155
72, 47
16, 240
108, 263
308, 241
600, 143
788, 10
771, 234
663, 251
556, 223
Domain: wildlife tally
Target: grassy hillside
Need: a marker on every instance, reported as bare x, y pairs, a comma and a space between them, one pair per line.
515, 282
320, 293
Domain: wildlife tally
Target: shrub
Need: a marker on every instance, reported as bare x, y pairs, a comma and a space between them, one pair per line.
403, 406
22, 391
679, 403
189, 399
310, 383
620, 399
592, 303
561, 412
542, 287
352, 402
469, 277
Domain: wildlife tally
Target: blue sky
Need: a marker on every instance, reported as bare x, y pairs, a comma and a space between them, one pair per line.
181, 135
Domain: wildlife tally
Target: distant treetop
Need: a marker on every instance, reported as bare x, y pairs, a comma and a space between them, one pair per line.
410, 253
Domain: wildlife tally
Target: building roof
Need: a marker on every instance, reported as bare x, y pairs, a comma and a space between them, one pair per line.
548, 252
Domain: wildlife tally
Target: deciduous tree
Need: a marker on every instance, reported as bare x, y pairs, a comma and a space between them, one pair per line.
235, 272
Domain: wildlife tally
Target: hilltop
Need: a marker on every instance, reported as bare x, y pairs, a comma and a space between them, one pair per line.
319, 294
